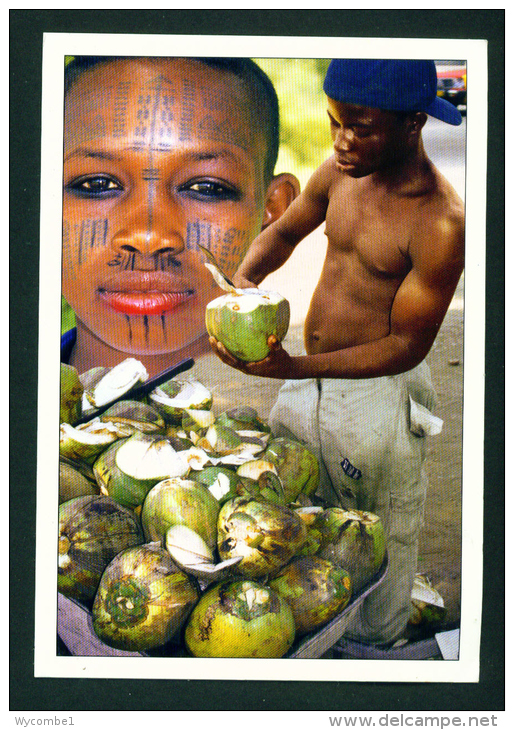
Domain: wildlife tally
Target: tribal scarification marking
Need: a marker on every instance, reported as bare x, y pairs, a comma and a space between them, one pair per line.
188, 106
120, 109
90, 234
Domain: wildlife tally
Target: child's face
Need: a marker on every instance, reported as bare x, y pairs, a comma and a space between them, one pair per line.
159, 156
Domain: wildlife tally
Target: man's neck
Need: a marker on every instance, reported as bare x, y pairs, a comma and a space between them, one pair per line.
89, 352
411, 176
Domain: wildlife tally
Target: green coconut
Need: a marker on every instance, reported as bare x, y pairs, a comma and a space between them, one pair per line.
143, 599
243, 418
73, 483
310, 516
176, 396
180, 502
92, 530
315, 589
86, 441
244, 319
128, 469
296, 465
428, 607
135, 415
240, 619
355, 540
105, 385
264, 534
71, 394
219, 480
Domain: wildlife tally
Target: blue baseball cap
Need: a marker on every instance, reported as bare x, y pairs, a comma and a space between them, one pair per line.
391, 85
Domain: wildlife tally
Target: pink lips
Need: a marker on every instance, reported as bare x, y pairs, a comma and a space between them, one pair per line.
144, 302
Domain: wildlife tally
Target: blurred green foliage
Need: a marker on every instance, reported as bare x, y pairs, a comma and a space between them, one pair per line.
304, 131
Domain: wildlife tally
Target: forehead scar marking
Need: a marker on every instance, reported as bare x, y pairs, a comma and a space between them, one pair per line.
151, 173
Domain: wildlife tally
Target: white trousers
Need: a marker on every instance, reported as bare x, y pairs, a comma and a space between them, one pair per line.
369, 436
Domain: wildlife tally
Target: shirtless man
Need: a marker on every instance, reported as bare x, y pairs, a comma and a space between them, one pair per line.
395, 230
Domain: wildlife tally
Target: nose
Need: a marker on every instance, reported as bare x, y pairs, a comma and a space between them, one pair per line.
151, 227
343, 140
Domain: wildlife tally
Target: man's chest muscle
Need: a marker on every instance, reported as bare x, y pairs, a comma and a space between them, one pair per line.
374, 236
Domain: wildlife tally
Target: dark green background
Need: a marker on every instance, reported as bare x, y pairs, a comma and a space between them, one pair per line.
30, 694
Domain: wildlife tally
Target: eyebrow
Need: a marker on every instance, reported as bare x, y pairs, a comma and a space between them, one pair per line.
94, 154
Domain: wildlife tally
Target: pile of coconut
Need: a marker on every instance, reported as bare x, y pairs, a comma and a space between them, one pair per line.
179, 524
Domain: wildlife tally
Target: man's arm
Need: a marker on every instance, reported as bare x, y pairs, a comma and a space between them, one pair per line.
271, 249
417, 312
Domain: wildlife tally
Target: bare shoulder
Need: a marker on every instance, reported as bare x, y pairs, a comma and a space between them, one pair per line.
322, 179
438, 243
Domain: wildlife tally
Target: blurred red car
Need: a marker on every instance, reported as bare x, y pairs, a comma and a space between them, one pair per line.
451, 84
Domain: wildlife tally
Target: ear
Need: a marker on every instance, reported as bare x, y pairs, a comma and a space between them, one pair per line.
416, 122
282, 190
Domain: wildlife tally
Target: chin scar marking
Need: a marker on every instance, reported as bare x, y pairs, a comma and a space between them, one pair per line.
145, 323
129, 327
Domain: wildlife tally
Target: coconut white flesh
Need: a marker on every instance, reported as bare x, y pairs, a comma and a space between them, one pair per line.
423, 591
187, 547
253, 469
203, 419
196, 458
240, 457
191, 394
151, 460
246, 300
91, 433
192, 554
220, 487
361, 516
119, 380
261, 435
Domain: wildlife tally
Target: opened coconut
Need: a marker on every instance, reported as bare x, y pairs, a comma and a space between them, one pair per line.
92, 530
176, 396
355, 540
135, 415
316, 590
296, 465
105, 385
128, 469
240, 619
266, 535
143, 599
180, 502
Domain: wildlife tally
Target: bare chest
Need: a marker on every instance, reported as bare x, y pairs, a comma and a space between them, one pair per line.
372, 233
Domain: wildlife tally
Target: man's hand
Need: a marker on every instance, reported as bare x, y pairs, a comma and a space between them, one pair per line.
278, 364
241, 283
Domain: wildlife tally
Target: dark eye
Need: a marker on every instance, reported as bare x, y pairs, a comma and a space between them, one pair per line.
361, 130
210, 190
97, 185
